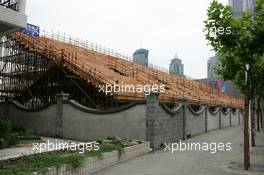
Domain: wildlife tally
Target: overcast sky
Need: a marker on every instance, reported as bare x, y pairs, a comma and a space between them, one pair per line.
164, 27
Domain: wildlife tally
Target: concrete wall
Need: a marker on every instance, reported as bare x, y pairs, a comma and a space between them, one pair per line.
80, 125
195, 123
152, 121
225, 120
74, 121
235, 118
41, 121
213, 121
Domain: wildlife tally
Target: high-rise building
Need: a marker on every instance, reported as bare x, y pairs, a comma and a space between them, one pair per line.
224, 86
212, 63
176, 66
141, 56
240, 6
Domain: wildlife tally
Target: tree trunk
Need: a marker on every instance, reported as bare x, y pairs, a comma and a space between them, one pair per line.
253, 109
258, 116
246, 135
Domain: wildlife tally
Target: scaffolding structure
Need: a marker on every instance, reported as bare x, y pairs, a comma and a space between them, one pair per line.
34, 69
34, 77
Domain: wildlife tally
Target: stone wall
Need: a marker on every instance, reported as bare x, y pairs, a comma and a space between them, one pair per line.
163, 125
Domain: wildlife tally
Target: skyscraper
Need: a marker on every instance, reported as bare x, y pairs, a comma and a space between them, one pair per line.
141, 56
176, 66
240, 6
212, 62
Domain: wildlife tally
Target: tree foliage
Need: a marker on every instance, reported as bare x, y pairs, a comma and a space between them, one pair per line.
244, 45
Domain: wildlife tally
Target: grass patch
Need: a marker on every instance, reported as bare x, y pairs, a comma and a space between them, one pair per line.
28, 136
26, 165
105, 147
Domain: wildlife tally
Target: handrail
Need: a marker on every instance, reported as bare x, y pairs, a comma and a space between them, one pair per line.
84, 44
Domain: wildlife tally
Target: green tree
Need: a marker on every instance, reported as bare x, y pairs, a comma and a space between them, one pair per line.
240, 52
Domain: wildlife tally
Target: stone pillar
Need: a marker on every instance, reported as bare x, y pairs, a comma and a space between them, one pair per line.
183, 100
60, 98
152, 121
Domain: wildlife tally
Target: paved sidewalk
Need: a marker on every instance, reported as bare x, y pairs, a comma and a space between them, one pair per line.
195, 162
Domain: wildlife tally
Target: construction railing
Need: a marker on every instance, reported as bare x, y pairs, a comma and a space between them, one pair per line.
179, 86
120, 63
65, 57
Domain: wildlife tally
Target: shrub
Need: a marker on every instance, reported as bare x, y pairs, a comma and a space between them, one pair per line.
18, 129
5, 128
99, 141
30, 137
11, 139
6, 136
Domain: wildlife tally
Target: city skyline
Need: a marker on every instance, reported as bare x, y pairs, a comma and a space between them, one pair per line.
124, 26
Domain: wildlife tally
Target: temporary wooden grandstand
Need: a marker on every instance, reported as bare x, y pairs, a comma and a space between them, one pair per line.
100, 66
